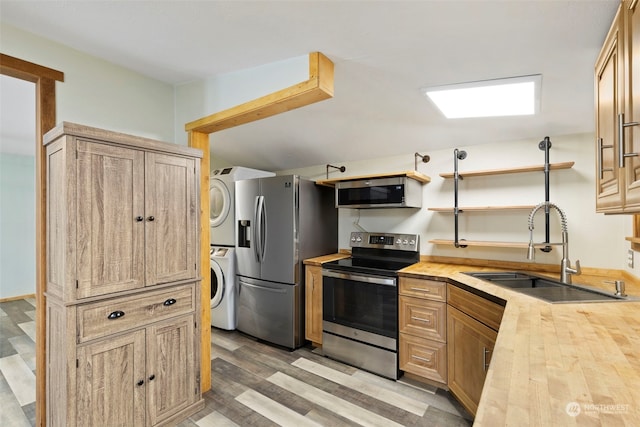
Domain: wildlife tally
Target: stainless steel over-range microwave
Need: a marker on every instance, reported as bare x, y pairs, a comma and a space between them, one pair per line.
394, 192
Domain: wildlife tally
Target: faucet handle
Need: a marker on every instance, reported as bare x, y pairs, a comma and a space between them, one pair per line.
577, 270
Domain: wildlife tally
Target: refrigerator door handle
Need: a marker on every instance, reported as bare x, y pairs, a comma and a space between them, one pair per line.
260, 228
256, 228
263, 229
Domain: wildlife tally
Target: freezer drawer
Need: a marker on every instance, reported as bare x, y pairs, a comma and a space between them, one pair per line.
270, 311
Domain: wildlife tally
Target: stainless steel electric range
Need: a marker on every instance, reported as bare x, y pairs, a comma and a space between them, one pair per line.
360, 301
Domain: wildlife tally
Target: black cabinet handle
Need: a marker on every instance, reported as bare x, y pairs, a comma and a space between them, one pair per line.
115, 315
152, 377
140, 383
139, 219
151, 218
170, 301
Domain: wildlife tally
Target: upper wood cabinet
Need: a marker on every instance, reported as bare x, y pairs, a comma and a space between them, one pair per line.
124, 217
617, 72
171, 218
631, 119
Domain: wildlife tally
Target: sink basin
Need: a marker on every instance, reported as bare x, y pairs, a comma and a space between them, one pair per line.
514, 279
545, 288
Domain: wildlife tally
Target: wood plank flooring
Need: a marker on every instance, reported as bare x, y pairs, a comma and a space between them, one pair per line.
17, 363
253, 384
256, 384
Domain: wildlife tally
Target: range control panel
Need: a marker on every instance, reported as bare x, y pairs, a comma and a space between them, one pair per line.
403, 242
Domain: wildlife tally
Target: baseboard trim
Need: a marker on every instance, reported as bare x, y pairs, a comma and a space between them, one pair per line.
7, 299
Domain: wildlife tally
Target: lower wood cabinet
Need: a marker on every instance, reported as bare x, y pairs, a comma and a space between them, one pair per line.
109, 371
140, 373
470, 341
313, 304
423, 328
423, 357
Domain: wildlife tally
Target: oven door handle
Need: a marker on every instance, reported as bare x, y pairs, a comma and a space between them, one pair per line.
376, 280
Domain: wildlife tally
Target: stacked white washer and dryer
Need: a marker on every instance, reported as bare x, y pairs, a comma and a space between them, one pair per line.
223, 259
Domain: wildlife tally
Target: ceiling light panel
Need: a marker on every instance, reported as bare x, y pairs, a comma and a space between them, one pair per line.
515, 96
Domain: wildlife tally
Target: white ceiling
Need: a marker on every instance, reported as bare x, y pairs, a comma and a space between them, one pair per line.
383, 51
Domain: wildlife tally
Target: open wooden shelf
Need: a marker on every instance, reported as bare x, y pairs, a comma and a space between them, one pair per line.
492, 244
520, 169
420, 177
483, 208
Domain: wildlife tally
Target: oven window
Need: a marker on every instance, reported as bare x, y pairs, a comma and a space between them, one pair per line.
365, 306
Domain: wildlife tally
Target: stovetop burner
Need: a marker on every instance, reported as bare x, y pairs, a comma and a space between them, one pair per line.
379, 253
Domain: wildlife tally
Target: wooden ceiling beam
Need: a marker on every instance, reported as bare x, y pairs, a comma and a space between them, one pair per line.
318, 87
24, 70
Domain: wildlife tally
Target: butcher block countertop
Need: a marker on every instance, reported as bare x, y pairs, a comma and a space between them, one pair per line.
326, 258
557, 364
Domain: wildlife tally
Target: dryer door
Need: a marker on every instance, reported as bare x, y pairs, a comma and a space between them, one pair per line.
219, 202
217, 284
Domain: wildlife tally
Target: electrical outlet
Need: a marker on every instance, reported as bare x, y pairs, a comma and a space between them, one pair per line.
630, 258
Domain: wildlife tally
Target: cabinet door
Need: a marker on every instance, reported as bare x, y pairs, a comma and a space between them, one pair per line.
170, 368
609, 80
632, 103
313, 303
111, 382
110, 206
170, 217
470, 348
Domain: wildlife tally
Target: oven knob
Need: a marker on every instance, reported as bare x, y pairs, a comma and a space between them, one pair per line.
398, 242
405, 242
412, 242
353, 238
358, 239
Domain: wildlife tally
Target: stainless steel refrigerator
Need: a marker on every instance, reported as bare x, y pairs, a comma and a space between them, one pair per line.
280, 221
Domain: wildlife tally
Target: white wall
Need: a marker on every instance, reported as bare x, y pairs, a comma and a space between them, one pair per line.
202, 98
17, 225
597, 240
95, 92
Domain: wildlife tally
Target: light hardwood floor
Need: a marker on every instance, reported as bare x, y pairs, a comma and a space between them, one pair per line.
253, 384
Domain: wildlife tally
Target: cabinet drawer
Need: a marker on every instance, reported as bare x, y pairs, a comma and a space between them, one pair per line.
481, 309
423, 357
103, 318
423, 288
424, 318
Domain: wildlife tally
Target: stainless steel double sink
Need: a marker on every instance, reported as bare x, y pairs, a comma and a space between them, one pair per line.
547, 289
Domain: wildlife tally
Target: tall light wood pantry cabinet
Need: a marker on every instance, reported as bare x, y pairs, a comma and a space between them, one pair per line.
123, 285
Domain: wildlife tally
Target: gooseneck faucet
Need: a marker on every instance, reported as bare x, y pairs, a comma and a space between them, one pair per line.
565, 266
